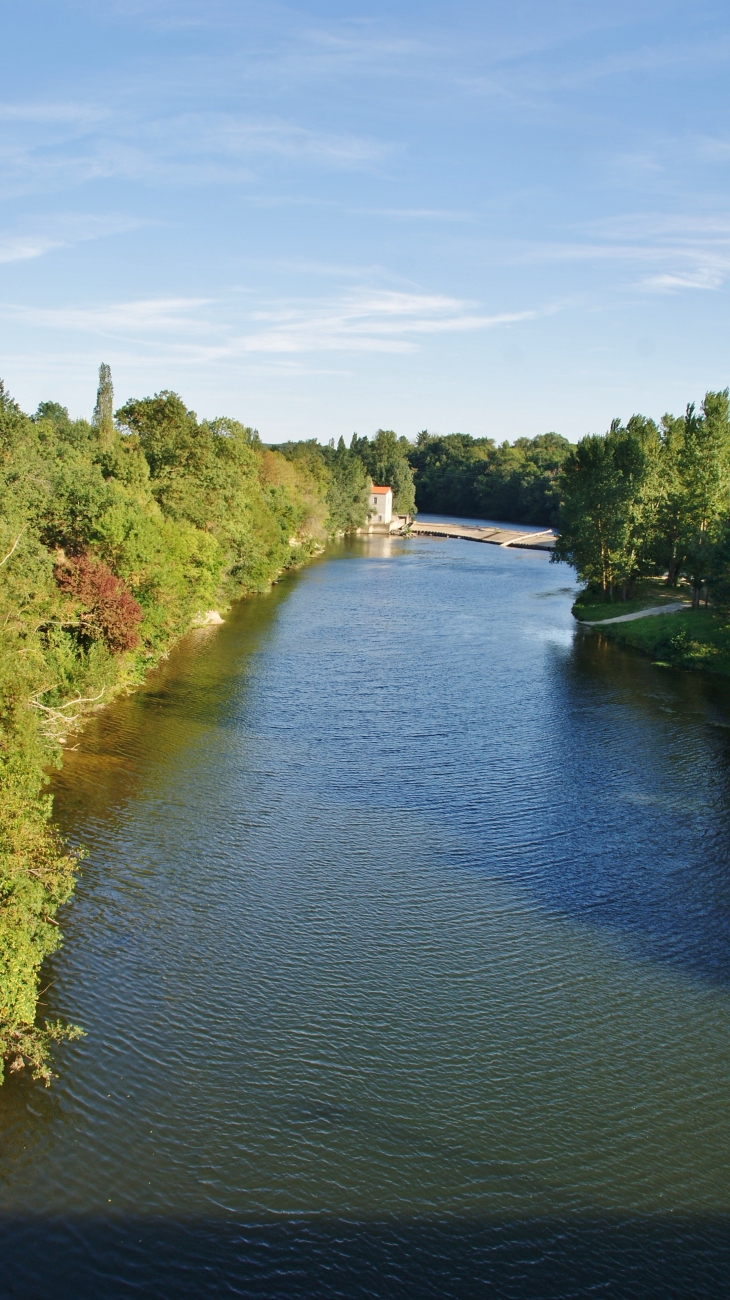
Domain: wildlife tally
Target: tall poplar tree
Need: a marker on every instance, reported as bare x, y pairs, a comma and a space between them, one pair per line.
103, 417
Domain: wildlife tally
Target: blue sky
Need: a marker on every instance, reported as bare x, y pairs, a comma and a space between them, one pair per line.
497, 218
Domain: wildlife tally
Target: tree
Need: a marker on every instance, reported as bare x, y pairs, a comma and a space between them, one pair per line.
347, 494
53, 411
103, 417
668, 538
602, 510
108, 611
386, 461
461, 475
704, 466
106, 556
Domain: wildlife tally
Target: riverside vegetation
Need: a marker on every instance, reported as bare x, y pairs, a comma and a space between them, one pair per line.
643, 515
645, 518
456, 474
115, 537
461, 475
118, 534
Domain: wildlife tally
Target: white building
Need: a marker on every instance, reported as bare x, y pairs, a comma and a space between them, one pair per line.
381, 504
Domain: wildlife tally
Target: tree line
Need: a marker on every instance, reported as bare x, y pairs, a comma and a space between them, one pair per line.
115, 535
349, 472
651, 500
456, 474
453, 474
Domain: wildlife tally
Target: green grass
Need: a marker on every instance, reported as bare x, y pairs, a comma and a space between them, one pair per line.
694, 638
649, 593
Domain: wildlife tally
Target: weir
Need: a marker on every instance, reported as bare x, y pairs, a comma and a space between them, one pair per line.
544, 541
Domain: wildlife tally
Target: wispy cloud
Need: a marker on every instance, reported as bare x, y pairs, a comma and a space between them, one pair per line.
658, 56
168, 15
63, 146
64, 230
380, 322
662, 252
45, 112
421, 214
704, 278
383, 321
21, 248
234, 135
143, 317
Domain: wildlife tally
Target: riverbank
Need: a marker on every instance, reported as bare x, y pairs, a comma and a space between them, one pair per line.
695, 639
38, 871
115, 540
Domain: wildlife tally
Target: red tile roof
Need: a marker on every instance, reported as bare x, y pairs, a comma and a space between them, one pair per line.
380, 489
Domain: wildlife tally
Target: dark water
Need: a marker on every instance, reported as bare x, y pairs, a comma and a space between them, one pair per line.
402, 948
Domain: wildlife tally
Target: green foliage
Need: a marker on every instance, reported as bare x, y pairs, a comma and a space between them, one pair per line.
54, 412
103, 417
386, 461
112, 540
461, 475
348, 489
345, 475
342, 477
457, 475
601, 526
698, 640
645, 501
703, 464
648, 593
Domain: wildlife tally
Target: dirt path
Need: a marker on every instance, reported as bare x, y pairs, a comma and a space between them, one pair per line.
671, 607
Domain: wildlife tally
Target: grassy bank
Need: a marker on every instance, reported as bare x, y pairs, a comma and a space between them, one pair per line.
695, 639
115, 537
647, 595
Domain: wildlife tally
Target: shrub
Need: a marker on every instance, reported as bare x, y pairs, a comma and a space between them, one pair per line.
110, 613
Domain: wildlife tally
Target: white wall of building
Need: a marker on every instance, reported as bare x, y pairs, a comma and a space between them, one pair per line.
382, 504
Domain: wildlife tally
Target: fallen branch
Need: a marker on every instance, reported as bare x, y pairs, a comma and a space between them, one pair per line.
58, 722
15, 543
80, 699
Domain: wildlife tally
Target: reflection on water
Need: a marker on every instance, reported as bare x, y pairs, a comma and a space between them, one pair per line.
402, 951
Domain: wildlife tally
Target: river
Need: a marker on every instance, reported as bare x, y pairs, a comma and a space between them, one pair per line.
402, 952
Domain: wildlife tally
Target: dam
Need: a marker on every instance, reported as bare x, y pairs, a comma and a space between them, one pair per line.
496, 536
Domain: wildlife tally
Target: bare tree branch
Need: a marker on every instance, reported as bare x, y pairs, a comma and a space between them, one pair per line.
80, 699
58, 722
15, 543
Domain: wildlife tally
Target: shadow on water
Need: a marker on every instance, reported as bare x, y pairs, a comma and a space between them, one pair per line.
364, 862
190, 692
644, 761
656, 1258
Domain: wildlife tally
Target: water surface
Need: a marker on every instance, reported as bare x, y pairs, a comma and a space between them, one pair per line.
402, 951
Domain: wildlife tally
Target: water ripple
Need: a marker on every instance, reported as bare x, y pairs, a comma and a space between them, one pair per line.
402, 948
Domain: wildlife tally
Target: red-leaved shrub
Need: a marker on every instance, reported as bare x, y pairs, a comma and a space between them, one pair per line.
110, 612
